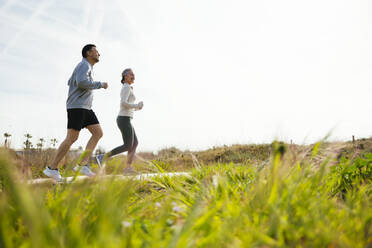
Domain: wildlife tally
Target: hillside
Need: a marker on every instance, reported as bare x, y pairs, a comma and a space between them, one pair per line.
31, 162
256, 154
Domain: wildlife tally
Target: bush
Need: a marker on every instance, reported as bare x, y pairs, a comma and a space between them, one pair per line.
349, 174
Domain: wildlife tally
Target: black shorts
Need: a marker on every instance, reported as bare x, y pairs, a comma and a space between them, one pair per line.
80, 118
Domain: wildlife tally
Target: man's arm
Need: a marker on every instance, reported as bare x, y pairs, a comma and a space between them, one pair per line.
83, 80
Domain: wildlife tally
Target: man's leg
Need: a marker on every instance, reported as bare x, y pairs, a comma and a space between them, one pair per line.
97, 134
71, 137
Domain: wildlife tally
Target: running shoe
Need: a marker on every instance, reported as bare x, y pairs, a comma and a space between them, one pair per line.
52, 173
85, 170
130, 170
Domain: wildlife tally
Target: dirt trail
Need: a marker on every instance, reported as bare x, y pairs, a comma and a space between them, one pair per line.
120, 177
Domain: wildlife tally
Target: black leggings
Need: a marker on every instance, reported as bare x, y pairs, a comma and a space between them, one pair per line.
128, 134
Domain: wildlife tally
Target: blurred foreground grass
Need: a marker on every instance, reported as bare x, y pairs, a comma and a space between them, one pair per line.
295, 201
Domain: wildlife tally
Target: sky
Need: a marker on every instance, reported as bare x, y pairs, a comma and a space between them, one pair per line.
210, 72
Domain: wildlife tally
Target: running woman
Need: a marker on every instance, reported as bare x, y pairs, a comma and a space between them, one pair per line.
79, 112
127, 107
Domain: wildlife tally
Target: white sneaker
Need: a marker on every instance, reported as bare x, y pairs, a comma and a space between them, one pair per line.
84, 170
130, 171
52, 174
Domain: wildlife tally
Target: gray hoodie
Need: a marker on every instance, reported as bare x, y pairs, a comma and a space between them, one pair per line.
81, 84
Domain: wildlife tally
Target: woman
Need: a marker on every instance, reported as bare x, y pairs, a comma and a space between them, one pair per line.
127, 107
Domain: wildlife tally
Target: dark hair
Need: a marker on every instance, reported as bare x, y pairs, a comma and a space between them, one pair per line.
87, 48
123, 74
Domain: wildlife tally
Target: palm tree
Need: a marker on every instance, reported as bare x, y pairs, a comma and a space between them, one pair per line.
28, 143
54, 141
6, 135
41, 143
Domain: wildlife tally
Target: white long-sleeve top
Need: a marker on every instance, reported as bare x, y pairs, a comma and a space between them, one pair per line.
127, 98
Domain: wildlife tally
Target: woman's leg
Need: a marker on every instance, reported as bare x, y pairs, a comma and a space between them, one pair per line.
132, 150
127, 135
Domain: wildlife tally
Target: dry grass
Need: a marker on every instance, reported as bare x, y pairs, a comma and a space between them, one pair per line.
31, 162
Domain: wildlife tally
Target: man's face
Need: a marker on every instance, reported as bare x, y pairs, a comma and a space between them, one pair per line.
93, 54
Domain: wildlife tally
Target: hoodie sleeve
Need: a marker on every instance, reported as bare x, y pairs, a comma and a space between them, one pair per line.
83, 78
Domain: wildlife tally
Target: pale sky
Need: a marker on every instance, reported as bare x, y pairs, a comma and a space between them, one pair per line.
209, 72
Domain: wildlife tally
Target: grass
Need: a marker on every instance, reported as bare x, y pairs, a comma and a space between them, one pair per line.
290, 200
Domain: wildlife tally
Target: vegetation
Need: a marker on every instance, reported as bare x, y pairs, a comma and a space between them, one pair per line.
286, 196
7, 136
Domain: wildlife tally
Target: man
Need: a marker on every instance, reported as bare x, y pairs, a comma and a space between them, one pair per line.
80, 113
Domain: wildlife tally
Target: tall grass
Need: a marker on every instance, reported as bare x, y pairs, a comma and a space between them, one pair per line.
282, 204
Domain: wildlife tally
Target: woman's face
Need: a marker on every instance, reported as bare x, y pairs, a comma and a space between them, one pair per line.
129, 77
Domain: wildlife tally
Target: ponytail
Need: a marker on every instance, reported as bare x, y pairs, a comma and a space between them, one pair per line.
124, 73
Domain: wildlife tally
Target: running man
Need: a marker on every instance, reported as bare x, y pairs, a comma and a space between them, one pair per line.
80, 113
127, 106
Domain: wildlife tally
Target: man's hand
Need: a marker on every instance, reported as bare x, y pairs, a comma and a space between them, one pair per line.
105, 85
140, 105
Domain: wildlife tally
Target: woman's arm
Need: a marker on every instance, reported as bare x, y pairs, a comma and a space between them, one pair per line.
125, 96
